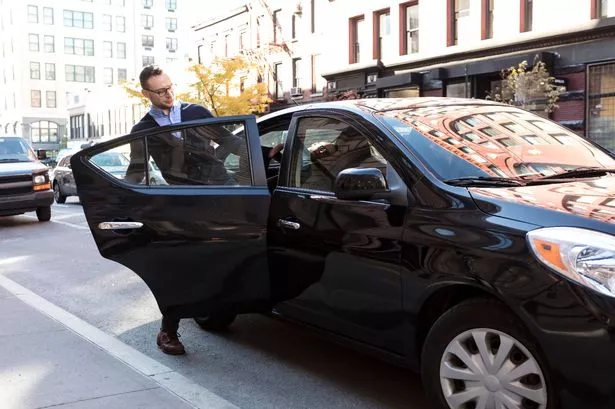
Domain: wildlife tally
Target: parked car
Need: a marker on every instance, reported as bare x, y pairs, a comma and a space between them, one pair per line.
24, 180
115, 163
470, 240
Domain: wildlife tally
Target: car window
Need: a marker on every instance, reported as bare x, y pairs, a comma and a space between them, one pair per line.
187, 157
272, 132
326, 146
484, 140
15, 150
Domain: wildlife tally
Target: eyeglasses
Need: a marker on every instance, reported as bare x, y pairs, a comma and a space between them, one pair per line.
162, 91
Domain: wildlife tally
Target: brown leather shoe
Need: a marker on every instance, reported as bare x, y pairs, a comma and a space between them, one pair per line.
169, 343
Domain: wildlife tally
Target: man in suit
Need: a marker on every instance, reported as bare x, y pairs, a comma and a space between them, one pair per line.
183, 157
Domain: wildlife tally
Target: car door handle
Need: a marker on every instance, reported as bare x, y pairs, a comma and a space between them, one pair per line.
119, 225
289, 224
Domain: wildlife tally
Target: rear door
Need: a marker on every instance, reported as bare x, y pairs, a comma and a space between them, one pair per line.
198, 240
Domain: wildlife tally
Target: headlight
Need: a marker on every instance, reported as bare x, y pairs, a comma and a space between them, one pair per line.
584, 256
39, 179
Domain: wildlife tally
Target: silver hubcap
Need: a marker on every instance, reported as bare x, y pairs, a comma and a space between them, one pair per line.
488, 369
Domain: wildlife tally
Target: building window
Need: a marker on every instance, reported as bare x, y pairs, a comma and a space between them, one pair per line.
226, 45
527, 15
147, 60
313, 15
44, 131
171, 5
382, 34
120, 24
33, 42
147, 41
108, 76
49, 44
357, 37
35, 98
296, 72
277, 28
147, 4
32, 14
293, 26
318, 82
121, 51
172, 44
35, 70
147, 21
600, 8
50, 99
108, 49
121, 75
79, 73
277, 71
459, 24
107, 22
242, 40
409, 23
47, 15
487, 19
78, 19
171, 23
78, 46
50, 71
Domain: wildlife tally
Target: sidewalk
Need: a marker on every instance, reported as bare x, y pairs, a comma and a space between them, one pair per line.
44, 363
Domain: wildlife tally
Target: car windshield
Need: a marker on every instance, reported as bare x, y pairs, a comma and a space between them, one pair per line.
15, 150
462, 141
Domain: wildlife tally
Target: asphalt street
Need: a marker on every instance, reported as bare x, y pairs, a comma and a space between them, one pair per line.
260, 363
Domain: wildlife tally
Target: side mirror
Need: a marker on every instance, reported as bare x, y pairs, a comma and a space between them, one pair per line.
359, 184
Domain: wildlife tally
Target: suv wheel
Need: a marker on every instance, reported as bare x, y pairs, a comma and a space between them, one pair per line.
478, 355
216, 322
57, 194
43, 213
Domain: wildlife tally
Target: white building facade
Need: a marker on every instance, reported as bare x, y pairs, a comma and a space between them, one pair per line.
288, 40
58, 55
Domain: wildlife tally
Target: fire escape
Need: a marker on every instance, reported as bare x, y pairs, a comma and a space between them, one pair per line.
260, 55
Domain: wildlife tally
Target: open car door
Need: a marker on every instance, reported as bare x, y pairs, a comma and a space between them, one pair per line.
193, 230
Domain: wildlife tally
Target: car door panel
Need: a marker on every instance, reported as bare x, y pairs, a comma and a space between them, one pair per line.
338, 266
198, 248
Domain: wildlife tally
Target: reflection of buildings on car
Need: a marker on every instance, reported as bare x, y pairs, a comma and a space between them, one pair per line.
584, 198
503, 143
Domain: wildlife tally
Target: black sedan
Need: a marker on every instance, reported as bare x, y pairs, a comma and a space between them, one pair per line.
469, 240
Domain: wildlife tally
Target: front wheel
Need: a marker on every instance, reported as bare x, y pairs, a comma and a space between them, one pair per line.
216, 322
478, 355
43, 214
57, 194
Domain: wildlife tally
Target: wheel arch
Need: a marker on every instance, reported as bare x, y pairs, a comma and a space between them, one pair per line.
442, 299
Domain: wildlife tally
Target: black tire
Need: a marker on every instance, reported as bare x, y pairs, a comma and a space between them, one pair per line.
57, 194
43, 213
471, 315
216, 322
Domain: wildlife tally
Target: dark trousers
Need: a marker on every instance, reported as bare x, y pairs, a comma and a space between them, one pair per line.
170, 323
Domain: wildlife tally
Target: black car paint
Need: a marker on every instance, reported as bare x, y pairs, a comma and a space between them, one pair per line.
448, 244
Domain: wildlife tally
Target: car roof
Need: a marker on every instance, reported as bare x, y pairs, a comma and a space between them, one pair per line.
375, 105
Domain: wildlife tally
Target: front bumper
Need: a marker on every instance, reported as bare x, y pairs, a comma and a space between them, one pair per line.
575, 328
27, 202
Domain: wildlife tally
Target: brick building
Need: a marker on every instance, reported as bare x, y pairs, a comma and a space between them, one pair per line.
462, 49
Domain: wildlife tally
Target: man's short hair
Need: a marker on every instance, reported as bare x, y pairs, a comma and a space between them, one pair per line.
149, 72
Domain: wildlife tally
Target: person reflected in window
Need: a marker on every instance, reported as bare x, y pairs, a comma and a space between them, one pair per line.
183, 157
